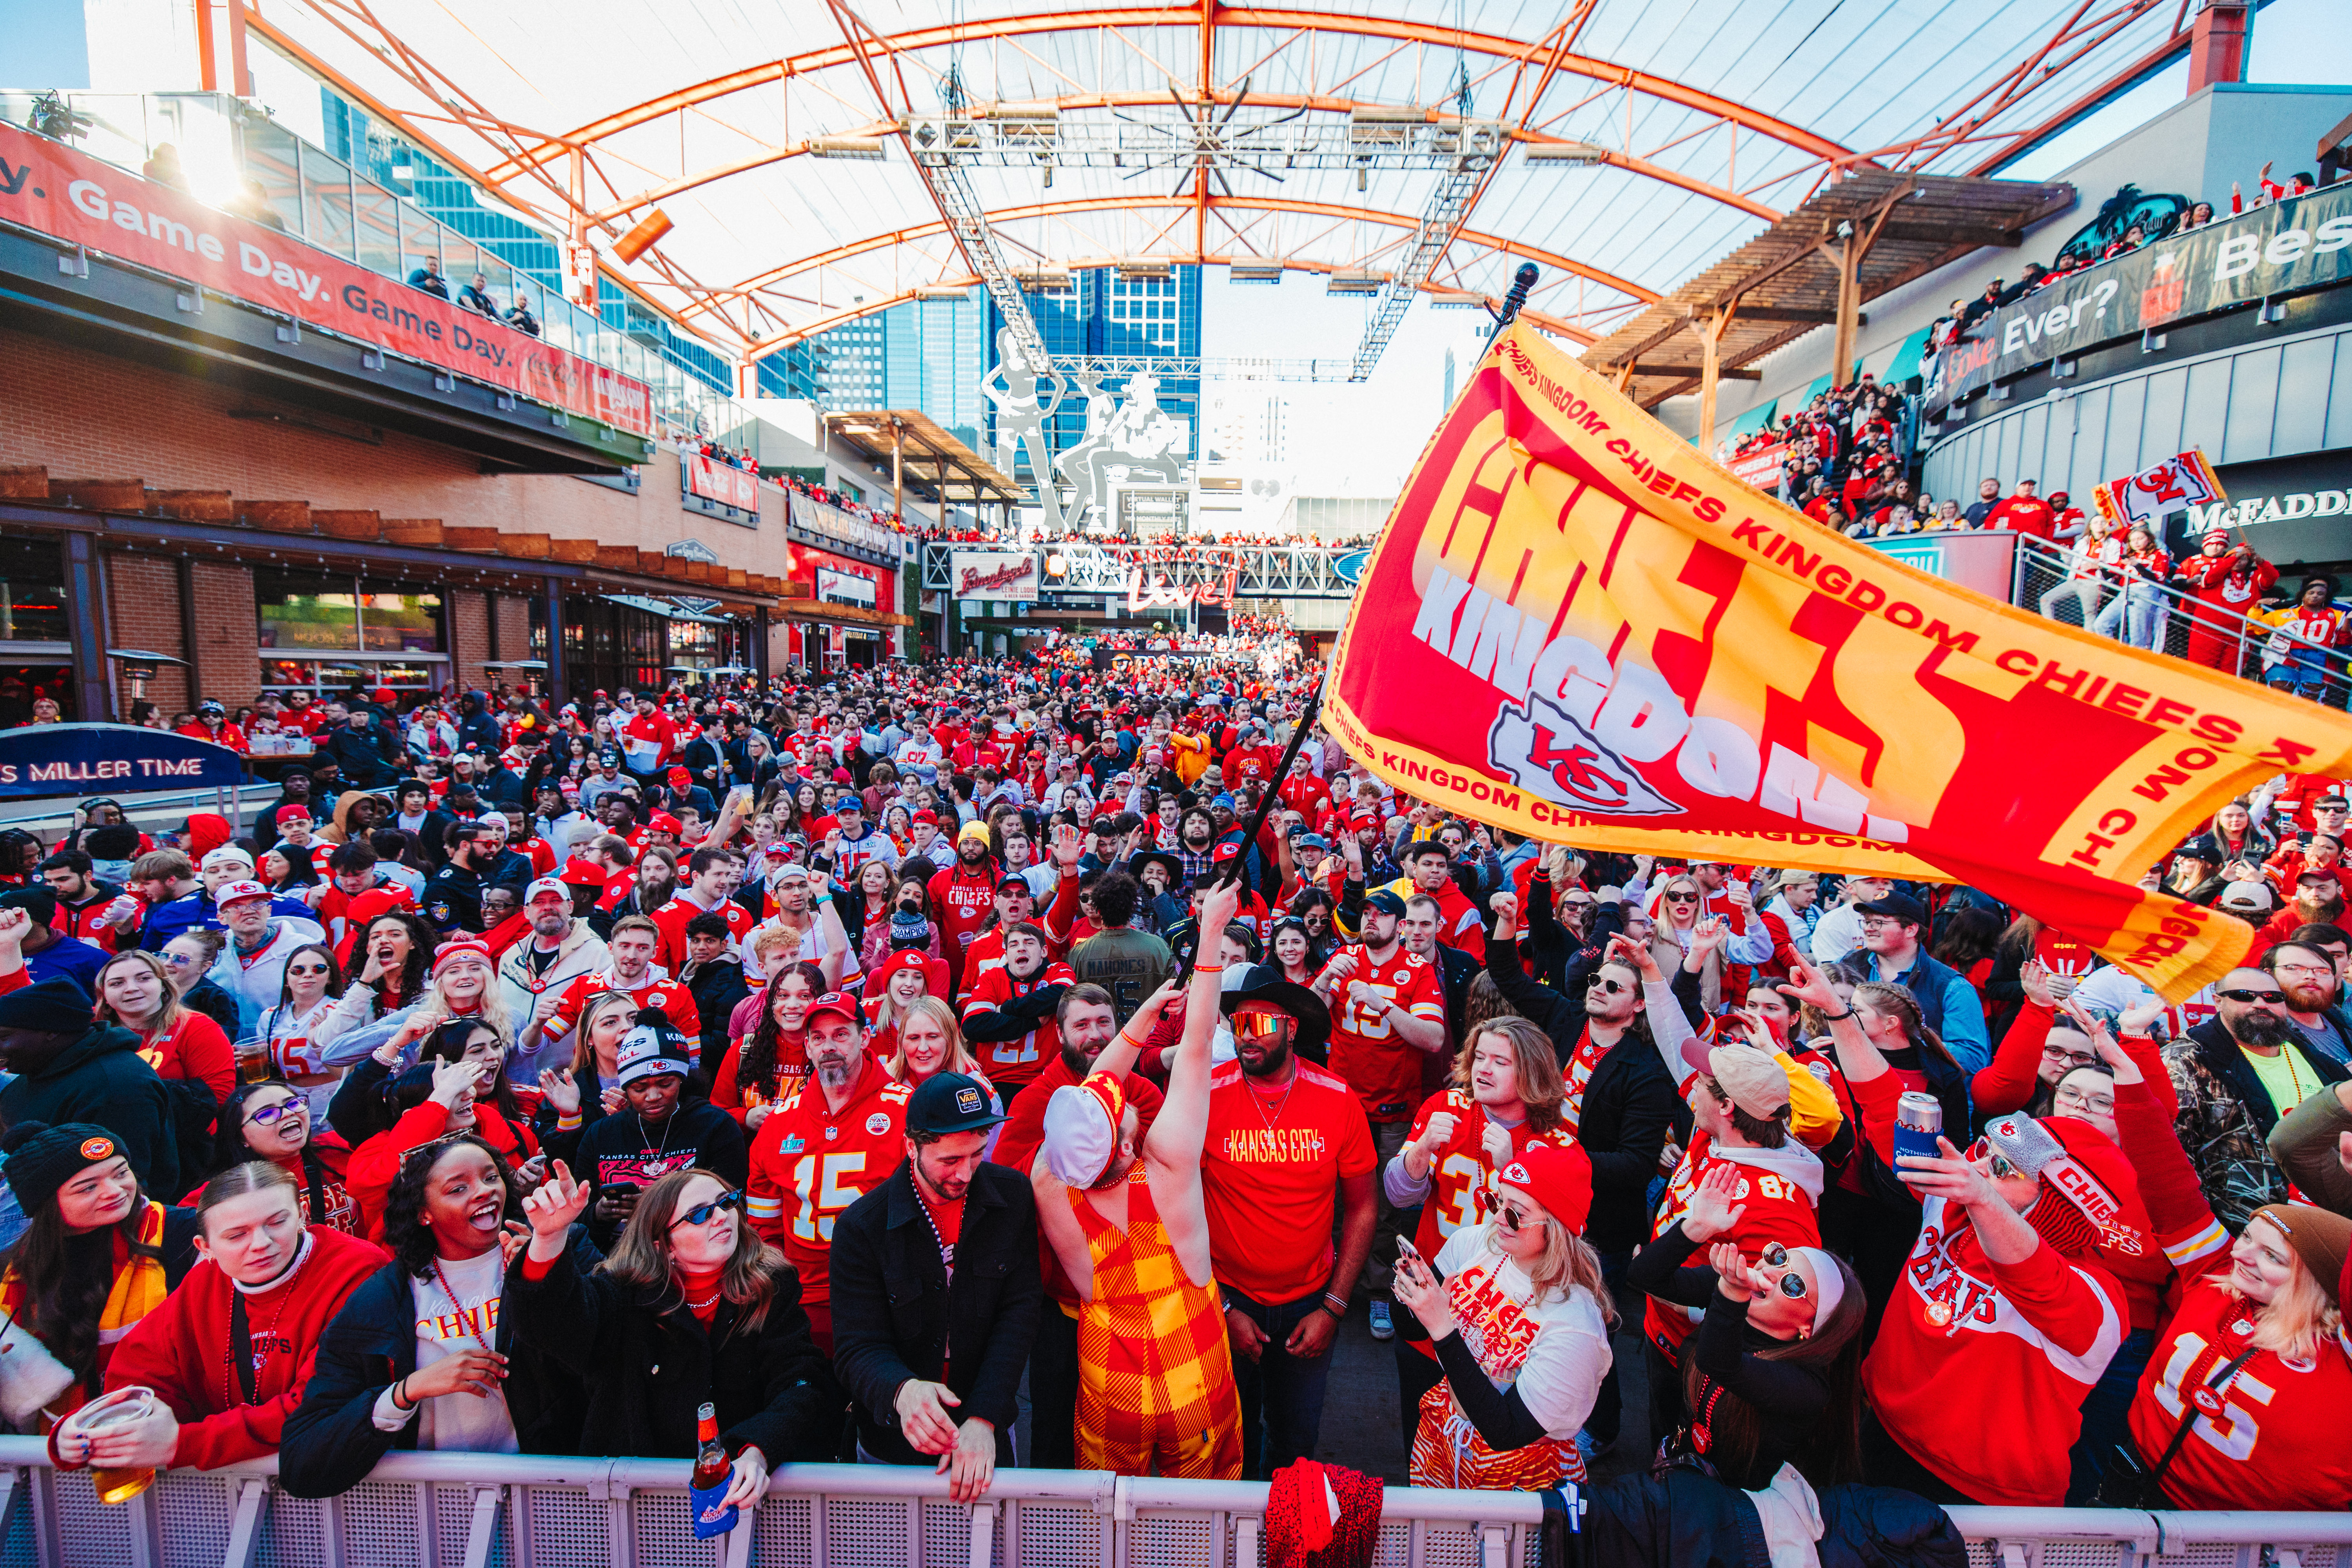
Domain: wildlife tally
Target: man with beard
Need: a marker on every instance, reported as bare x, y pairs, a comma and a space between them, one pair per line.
630, 952
968, 1266
2234, 1077
834, 1138
964, 895
1287, 1142
2307, 973
535, 973
1196, 836
1128, 1220
2319, 901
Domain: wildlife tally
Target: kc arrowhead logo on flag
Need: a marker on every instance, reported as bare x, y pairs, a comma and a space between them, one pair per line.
1576, 628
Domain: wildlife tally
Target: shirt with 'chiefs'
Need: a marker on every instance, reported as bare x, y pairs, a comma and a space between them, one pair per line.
1382, 1069
964, 901
1981, 1369
809, 1164
673, 1000
1781, 1188
672, 918
1008, 1064
2297, 1405
1459, 1169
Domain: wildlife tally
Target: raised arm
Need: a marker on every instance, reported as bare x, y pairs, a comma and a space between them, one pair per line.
1183, 1126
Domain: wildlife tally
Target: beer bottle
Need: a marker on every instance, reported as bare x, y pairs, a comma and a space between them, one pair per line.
712, 1472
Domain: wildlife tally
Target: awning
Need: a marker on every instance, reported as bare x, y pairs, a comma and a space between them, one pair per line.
1907, 355
1820, 383
668, 609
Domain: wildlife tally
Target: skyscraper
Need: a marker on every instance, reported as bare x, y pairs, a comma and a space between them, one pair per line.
1104, 314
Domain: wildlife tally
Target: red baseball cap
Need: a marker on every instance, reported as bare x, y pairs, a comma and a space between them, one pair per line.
925, 814
837, 1003
681, 777
583, 873
663, 822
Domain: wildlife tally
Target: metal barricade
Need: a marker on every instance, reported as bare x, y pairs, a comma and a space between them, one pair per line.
2044, 569
509, 1511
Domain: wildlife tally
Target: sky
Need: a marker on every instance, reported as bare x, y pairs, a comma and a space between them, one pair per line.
1362, 438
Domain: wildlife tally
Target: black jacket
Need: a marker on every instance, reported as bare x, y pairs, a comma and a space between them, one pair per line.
368, 759
619, 1148
101, 1077
716, 987
331, 1440
647, 1368
1630, 1103
896, 1313
1692, 1521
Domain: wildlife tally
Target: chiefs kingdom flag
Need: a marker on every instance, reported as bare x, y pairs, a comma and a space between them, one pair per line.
1576, 628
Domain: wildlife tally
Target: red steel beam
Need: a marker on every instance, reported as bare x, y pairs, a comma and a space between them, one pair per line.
1129, 203
1199, 16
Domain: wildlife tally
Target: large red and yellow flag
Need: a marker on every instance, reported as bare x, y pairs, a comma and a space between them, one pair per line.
1576, 628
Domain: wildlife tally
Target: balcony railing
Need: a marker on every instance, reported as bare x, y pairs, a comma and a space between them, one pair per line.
229, 149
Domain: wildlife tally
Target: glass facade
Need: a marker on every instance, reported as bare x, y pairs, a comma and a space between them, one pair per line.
1104, 314
920, 353
329, 634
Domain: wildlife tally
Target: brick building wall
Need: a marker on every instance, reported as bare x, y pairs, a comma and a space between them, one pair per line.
469, 633
88, 415
144, 606
228, 633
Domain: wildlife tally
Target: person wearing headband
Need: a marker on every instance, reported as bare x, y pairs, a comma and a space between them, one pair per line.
1126, 1216
1772, 1377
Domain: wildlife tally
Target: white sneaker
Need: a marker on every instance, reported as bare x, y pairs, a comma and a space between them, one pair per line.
1382, 1328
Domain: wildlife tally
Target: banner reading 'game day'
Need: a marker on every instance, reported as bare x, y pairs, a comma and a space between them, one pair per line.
1576, 628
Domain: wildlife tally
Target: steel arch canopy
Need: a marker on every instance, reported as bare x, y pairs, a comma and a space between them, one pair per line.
1206, 19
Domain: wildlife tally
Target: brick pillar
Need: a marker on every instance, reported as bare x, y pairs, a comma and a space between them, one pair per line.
2217, 44
144, 602
470, 636
229, 631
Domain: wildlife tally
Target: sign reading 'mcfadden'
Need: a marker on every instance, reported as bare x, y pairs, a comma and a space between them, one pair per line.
2269, 508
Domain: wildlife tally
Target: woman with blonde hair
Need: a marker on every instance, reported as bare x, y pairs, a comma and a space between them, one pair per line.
1505, 1414
931, 1042
590, 1088
1506, 1092
2242, 1400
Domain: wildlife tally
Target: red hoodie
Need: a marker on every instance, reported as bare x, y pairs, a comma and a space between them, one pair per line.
374, 1163
177, 1350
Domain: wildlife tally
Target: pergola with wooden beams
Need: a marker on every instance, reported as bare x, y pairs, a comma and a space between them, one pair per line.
1873, 231
591, 179
918, 447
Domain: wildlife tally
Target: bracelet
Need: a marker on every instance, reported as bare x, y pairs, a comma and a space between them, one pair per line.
1336, 1303
1837, 1017
1208, 969
398, 1389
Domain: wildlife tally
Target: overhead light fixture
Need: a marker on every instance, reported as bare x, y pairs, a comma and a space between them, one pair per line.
1355, 280
1255, 272
869, 148
1044, 280
1145, 272
941, 291
1454, 299
1565, 154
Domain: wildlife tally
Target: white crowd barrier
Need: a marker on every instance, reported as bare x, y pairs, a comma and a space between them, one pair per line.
493, 1510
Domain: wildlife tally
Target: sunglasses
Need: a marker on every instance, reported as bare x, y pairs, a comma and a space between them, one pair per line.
2251, 995
1258, 1026
1791, 1284
306, 968
701, 1213
1611, 986
2002, 1168
1511, 1217
273, 1111
1681, 898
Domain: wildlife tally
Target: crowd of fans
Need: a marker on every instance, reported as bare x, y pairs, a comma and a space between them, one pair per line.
902, 1043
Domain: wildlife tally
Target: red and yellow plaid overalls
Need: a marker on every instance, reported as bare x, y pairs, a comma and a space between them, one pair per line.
1156, 1393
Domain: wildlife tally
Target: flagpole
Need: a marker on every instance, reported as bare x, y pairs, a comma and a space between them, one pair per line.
1233, 869
1522, 281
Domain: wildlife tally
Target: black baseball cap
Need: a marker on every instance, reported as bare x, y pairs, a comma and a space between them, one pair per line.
949, 1102
1896, 906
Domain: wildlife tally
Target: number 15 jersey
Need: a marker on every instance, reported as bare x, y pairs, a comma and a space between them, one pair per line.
1382, 1069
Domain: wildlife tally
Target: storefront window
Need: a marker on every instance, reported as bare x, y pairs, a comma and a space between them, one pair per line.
298, 620
31, 591
347, 615
401, 623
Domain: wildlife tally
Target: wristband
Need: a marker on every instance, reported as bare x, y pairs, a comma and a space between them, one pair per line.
1334, 1303
398, 1389
1208, 969
1837, 1017
566, 1123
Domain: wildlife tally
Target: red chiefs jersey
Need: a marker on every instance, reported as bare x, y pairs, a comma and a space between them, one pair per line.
1981, 1368
673, 917
1303, 793
1008, 1064
964, 902
1459, 1170
1254, 763
809, 1164
1781, 1188
2299, 1404
1384, 1070
660, 993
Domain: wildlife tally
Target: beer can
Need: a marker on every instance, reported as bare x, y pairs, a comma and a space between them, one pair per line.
1918, 1121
